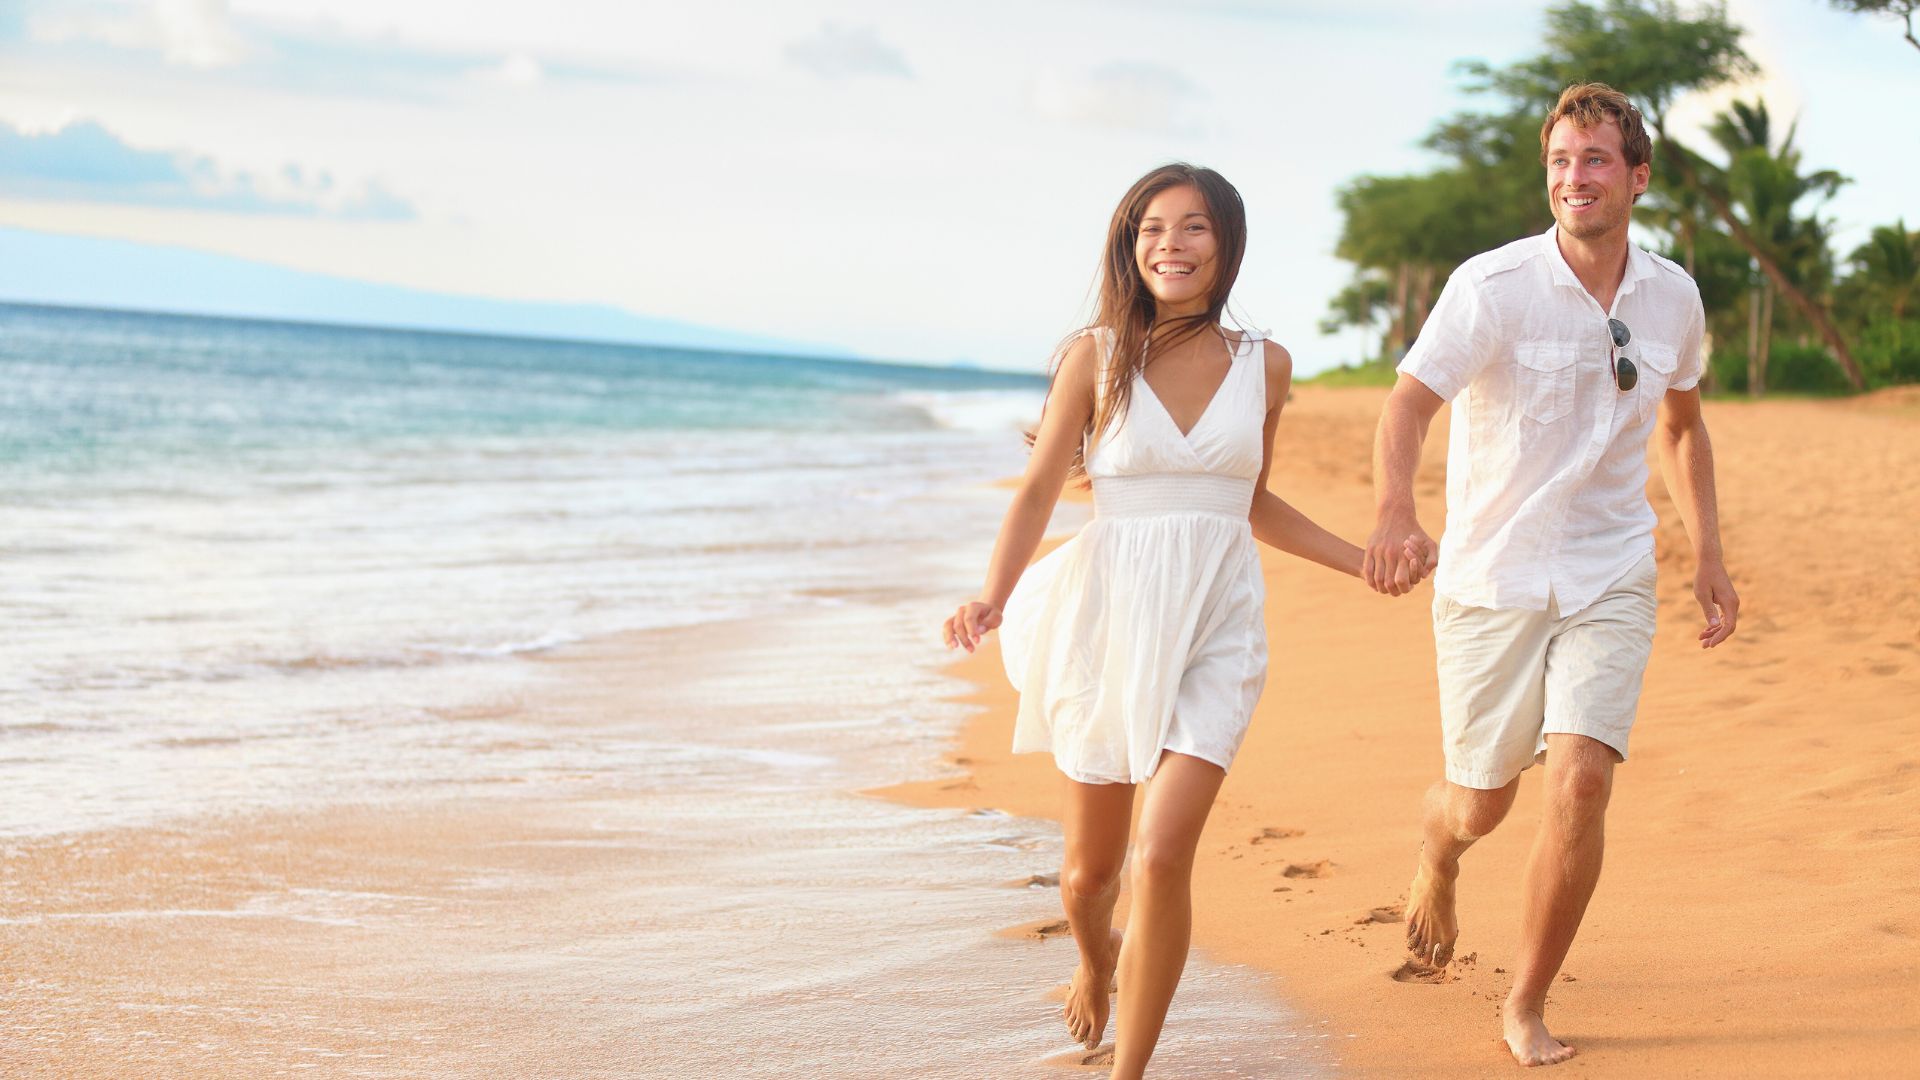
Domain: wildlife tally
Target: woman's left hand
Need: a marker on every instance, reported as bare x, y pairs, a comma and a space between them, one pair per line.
967, 625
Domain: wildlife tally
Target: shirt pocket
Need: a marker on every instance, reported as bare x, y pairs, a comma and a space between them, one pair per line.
1656, 364
1543, 382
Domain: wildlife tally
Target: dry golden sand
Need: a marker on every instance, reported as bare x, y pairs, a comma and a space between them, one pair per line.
1759, 914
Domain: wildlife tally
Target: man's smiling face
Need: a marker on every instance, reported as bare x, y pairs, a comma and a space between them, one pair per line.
1589, 183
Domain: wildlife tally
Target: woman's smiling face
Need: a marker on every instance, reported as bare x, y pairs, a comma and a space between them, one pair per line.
1175, 250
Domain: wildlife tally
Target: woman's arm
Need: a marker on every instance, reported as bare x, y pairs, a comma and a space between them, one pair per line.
1278, 525
1275, 523
1069, 405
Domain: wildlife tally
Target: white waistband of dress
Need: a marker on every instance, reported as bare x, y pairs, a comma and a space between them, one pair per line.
1171, 493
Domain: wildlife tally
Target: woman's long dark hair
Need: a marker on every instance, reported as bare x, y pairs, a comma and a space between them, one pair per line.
1125, 309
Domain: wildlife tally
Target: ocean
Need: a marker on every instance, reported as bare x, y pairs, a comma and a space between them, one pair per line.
251, 567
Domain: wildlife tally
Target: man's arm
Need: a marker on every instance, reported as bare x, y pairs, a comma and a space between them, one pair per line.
1686, 462
1387, 566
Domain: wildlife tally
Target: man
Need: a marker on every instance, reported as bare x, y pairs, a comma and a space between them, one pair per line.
1561, 354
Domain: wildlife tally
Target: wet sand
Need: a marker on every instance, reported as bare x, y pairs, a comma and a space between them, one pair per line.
731, 909
1759, 913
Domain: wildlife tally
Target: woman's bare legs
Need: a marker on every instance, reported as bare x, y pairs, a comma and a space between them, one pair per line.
1160, 923
1095, 827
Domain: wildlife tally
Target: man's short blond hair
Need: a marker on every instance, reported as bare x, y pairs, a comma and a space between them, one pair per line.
1589, 105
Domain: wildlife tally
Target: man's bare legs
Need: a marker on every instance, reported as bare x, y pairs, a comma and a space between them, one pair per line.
1562, 870
1455, 817
1095, 829
1160, 924
1561, 874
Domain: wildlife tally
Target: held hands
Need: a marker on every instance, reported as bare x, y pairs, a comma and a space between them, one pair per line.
1718, 602
966, 626
1398, 556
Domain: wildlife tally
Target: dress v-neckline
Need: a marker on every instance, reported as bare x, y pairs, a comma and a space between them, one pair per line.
1233, 361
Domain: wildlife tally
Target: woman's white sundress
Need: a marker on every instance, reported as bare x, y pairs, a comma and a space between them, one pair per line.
1144, 633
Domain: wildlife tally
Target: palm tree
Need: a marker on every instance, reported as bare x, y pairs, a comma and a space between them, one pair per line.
1890, 264
1365, 302
1764, 184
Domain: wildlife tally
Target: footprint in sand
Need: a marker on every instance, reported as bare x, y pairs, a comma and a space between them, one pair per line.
1036, 881
1276, 834
1099, 1060
1390, 914
1038, 930
1413, 971
1320, 869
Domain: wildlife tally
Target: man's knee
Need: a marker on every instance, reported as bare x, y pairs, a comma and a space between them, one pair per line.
1581, 782
1475, 812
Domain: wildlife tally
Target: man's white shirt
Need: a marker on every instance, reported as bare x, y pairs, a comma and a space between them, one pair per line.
1547, 459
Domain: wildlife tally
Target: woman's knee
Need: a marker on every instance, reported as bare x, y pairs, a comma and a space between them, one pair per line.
1162, 861
1090, 877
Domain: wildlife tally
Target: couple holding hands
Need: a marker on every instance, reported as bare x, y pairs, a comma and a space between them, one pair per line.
1139, 646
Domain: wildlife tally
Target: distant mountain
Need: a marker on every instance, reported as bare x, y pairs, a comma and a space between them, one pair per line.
86, 271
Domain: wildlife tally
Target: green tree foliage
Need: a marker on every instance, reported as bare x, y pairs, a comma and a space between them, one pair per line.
1889, 266
1365, 304
1886, 276
1745, 223
1764, 184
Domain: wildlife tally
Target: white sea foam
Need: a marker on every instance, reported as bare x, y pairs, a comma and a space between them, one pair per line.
996, 411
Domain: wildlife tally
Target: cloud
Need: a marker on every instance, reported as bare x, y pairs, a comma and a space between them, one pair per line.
194, 33
1133, 97
520, 69
85, 162
841, 51
310, 53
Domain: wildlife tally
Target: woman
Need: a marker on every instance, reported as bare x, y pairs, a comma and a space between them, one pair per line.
1139, 647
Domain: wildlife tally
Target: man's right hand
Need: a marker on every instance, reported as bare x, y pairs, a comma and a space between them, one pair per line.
1399, 554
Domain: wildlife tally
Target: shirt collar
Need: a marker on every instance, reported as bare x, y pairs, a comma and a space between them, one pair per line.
1639, 263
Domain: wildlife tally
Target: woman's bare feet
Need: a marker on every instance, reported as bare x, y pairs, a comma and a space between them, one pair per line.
1527, 1037
1431, 924
1088, 996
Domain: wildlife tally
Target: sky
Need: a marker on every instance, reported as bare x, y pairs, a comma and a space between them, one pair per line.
899, 180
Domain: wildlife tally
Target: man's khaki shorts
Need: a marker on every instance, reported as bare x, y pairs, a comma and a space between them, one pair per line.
1511, 677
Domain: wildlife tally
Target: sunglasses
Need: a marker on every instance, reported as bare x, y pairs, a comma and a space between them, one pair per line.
1624, 373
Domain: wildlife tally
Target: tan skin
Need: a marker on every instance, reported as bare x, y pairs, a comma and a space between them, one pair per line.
1174, 255
1591, 187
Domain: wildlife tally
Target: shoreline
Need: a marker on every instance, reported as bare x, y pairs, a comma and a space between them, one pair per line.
1756, 916
738, 910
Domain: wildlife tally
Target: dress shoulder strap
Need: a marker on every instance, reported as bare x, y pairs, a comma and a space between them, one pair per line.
1103, 338
1256, 354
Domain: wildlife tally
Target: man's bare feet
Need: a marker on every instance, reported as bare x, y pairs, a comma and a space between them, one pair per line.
1432, 928
1527, 1037
1088, 1000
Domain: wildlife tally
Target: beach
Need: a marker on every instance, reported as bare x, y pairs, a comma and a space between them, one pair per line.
386, 704
1757, 914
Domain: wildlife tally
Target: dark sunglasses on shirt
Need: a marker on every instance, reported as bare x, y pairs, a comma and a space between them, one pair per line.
1624, 373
